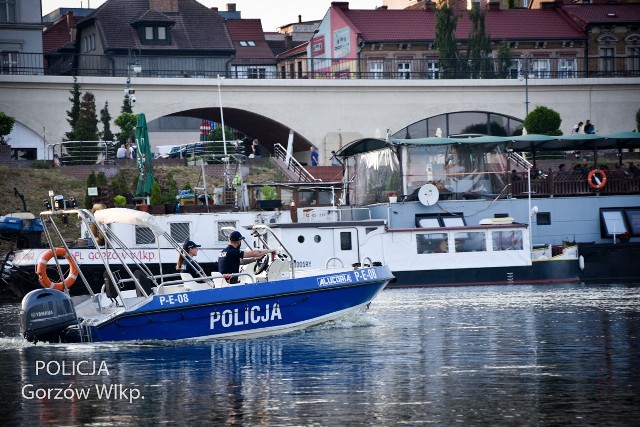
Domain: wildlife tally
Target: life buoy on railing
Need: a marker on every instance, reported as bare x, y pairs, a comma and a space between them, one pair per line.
597, 179
41, 270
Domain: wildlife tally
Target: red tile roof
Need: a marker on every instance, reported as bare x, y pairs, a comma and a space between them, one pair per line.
58, 34
419, 25
250, 30
604, 13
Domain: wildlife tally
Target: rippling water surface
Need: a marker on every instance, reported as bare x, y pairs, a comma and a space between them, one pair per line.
515, 355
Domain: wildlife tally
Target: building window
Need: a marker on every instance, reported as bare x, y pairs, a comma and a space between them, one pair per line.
155, 35
247, 43
433, 70
404, 46
541, 68
9, 62
299, 64
607, 56
633, 60
256, 73
567, 68
404, 70
7, 11
376, 69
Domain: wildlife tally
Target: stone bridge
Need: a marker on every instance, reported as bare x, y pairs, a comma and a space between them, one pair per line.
325, 113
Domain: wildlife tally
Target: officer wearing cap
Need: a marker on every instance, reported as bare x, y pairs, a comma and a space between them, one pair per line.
230, 257
192, 266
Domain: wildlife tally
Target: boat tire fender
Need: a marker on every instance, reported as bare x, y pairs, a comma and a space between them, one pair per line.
41, 270
596, 179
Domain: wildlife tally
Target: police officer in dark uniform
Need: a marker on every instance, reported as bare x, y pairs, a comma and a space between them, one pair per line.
231, 256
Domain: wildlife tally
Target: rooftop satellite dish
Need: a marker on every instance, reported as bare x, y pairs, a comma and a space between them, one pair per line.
428, 194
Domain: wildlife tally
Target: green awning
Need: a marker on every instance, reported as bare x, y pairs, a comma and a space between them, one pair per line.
531, 142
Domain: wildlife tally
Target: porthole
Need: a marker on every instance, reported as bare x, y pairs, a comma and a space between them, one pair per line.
317, 238
300, 239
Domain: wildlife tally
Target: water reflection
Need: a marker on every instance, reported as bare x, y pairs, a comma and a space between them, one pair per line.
542, 355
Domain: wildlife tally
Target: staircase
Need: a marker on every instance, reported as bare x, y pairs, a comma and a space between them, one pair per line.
290, 166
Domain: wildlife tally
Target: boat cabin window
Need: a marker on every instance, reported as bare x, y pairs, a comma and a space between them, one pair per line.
470, 241
144, 236
543, 218
440, 220
510, 240
180, 231
613, 221
222, 237
345, 241
432, 243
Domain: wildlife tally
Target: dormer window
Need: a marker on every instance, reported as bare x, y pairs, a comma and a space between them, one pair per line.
247, 43
155, 35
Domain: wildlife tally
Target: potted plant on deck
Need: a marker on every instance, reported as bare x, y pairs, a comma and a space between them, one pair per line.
393, 196
269, 198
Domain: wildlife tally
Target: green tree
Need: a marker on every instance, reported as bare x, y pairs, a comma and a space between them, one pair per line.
156, 193
171, 189
127, 123
126, 105
505, 59
216, 134
91, 182
105, 118
446, 23
6, 126
543, 121
85, 148
119, 184
479, 45
74, 113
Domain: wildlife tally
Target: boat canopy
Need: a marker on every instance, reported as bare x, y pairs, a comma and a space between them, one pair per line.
128, 216
530, 142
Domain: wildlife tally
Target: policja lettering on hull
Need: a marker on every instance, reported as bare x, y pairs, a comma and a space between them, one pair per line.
251, 315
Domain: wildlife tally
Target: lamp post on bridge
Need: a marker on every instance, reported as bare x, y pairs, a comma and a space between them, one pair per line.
525, 73
132, 65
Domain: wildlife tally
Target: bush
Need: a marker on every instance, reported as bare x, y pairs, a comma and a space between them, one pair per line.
156, 194
41, 164
119, 200
543, 121
269, 192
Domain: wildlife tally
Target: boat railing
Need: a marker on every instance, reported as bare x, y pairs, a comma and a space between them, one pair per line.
574, 183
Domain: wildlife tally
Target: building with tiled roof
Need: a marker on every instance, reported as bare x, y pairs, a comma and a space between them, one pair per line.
554, 41
153, 33
614, 35
254, 58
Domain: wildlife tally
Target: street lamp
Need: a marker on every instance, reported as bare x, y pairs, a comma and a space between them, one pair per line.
525, 71
132, 64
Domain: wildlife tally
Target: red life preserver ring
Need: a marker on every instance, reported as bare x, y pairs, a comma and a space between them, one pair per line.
41, 270
599, 177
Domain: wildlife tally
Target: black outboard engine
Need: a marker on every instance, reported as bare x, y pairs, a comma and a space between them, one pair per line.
45, 313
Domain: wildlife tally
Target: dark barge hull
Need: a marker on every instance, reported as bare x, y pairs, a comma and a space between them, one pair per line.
556, 271
607, 263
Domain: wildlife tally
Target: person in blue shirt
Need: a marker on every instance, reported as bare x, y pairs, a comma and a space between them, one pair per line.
315, 157
191, 267
231, 256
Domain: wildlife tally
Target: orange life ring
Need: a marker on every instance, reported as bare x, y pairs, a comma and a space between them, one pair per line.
41, 270
600, 179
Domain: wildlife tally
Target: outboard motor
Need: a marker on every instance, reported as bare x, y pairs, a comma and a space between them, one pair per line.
45, 313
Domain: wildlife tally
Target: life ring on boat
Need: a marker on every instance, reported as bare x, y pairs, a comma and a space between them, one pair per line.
41, 270
597, 179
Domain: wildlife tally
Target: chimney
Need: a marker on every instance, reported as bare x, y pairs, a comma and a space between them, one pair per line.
299, 19
70, 26
231, 7
164, 5
385, 7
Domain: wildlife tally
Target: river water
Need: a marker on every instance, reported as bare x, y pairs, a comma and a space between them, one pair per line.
492, 355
